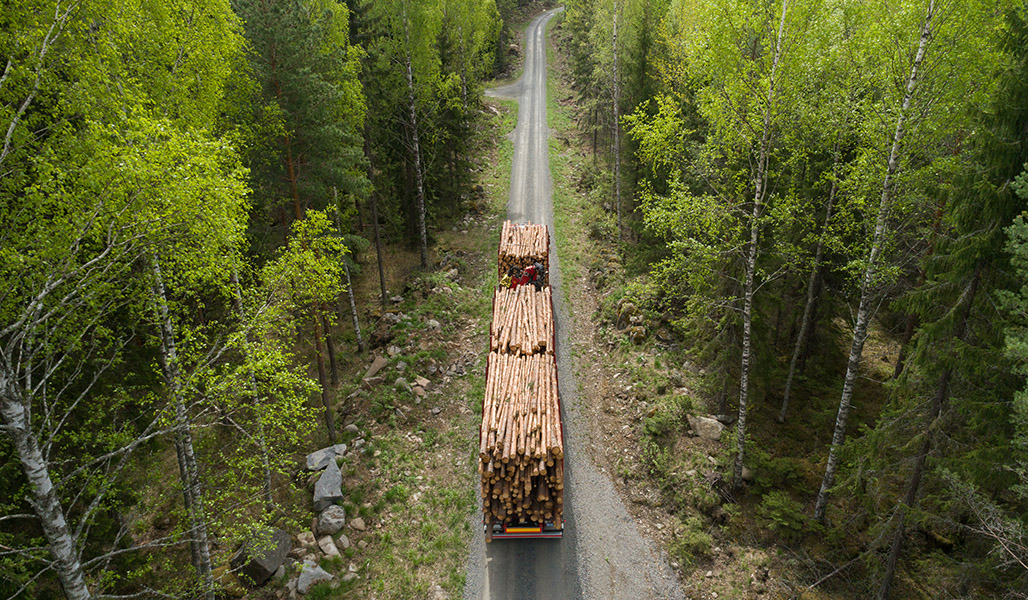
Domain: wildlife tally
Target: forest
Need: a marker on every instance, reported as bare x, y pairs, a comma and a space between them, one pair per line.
184, 185
824, 199
821, 200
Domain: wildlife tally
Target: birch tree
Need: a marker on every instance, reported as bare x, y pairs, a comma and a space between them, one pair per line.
935, 45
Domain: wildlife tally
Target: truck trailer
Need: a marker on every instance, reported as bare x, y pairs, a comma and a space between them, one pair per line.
521, 438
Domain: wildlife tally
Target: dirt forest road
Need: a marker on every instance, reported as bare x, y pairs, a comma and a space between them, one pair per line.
602, 554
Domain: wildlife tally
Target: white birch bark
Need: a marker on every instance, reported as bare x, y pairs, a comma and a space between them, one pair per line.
759, 194
42, 496
188, 468
867, 288
416, 149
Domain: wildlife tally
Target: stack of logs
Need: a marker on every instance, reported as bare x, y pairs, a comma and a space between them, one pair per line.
522, 321
521, 445
523, 245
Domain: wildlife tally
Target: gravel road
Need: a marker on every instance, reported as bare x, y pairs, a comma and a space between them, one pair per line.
602, 554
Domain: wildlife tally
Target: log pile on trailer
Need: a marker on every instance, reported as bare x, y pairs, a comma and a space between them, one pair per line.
522, 321
524, 245
521, 445
521, 442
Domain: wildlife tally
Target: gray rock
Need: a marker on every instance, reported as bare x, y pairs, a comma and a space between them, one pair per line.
419, 391
453, 274
726, 419
747, 474
328, 546
350, 577
306, 539
371, 382
433, 324
401, 384
401, 367
358, 524
706, 427
331, 520
351, 428
310, 574
280, 572
436, 411
328, 489
393, 350
358, 443
342, 542
261, 556
318, 460
396, 299
377, 365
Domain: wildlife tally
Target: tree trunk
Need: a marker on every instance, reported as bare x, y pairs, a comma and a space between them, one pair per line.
463, 70
322, 379
331, 347
416, 150
867, 287
42, 495
189, 470
617, 129
287, 140
353, 308
938, 406
808, 308
760, 189
372, 198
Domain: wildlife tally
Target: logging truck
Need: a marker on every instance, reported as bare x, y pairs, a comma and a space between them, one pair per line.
521, 439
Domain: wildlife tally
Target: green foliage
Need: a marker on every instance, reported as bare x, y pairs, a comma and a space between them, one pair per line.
691, 541
785, 517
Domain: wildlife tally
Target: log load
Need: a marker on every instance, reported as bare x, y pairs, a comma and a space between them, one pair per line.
522, 321
523, 245
521, 443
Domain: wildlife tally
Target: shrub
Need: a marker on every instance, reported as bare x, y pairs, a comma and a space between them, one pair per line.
691, 541
783, 515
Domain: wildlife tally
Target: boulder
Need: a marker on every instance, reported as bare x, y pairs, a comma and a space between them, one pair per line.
377, 365
261, 556
310, 574
331, 520
328, 546
706, 427
328, 489
351, 428
318, 460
